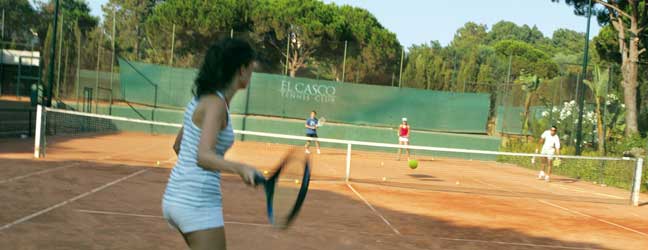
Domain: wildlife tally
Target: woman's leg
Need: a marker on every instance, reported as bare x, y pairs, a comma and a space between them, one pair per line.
209, 239
407, 150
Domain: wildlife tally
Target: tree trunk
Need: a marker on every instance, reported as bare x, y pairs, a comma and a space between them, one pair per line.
527, 106
599, 127
629, 69
295, 64
630, 76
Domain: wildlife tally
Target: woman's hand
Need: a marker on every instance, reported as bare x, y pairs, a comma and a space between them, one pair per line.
248, 173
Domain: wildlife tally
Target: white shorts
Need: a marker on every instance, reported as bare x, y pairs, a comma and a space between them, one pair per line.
549, 152
188, 219
403, 139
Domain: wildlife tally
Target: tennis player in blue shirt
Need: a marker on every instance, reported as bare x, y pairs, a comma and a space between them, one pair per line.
311, 131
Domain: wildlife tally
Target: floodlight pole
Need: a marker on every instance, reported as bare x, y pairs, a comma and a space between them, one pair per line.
581, 89
50, 77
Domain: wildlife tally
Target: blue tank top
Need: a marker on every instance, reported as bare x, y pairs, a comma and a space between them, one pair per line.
189, 184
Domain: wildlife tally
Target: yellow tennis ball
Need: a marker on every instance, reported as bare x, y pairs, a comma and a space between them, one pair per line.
384, 179
265, 172
296, 181
457, 182
157, 163
413, 164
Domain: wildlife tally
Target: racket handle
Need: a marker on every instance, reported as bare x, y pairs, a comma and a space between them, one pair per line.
259, 179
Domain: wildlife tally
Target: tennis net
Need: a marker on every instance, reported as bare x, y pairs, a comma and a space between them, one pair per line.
72, 135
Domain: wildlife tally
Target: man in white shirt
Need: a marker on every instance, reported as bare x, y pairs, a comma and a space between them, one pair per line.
550, 146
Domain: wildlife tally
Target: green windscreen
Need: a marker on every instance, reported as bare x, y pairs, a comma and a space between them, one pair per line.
282, 96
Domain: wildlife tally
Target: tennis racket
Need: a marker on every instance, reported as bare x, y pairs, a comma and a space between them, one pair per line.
533, 159
321, 121
286, 188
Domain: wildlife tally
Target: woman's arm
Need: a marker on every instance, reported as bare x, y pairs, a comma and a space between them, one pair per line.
178, 140
213, 118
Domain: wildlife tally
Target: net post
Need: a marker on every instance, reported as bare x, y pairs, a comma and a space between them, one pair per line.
636, 186
37, 140
348, 163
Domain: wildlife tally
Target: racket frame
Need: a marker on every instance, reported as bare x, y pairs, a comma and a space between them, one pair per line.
269, 186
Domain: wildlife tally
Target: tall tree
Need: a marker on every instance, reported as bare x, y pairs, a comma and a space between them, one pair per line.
374, 51
20, 20
132, 37
599, 86
526, 58
505, 30
197, 25
629, 18
568, 41
296, 29
75, 12
529, 84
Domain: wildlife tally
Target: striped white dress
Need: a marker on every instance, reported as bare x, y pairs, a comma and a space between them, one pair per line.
190, 185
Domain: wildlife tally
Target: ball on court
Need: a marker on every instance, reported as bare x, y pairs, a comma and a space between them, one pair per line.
457, 183
384, 179
157, 163
382, 163
413, 164
296, 181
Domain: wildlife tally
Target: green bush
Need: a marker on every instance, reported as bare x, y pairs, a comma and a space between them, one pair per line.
612, 173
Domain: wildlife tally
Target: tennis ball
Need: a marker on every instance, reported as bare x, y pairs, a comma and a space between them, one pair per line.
265, 172
382, 163
413, 164
457, 182
157, 163
384, 179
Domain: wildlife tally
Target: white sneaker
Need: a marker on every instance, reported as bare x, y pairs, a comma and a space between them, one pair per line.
318, 151
307, 151
541, 175
546, 178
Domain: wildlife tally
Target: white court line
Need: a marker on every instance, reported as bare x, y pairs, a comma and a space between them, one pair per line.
374, 210
566, 188
352, 231
173, 158
226, 222
591, 192
69, 166
161, 217
593, 217
31, 216
579, 213
37, 173
514, 243
118, 213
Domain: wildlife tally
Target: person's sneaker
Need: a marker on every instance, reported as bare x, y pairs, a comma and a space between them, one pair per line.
307, 151
541, 175
318, 151
546, 178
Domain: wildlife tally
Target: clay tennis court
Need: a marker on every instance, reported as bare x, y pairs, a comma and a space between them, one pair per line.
104, 192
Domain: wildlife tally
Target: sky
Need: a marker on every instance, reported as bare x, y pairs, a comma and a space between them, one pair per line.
422, 21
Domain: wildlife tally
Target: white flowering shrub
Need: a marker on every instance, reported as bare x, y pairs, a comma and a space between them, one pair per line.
565, 117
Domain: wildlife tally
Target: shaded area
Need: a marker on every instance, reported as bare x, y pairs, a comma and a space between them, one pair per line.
332, 217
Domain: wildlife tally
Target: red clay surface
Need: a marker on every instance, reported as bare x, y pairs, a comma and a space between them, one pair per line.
104, 192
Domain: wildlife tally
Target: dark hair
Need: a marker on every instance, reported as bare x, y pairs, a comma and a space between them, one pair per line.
554, 127
222, 60
314, 111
